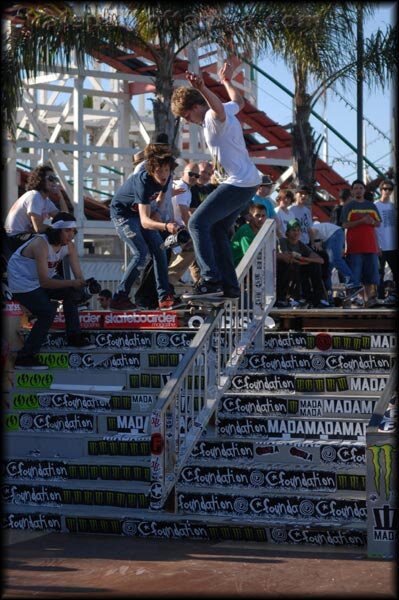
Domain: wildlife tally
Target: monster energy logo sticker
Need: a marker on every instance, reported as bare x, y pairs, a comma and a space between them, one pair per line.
164, 360
90, 525
382, 461
148, 380
118, 448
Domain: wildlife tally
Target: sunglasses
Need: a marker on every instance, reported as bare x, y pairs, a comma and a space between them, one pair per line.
387, 189
191, 174
52, 178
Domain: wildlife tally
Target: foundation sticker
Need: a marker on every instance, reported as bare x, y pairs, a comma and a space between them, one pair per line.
274, 507
112, 361
70, 423
318, 362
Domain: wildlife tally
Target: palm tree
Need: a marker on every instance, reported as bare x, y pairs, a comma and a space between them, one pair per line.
49, 34
318, 42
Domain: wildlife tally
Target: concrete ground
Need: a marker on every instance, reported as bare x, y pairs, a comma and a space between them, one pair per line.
37, 565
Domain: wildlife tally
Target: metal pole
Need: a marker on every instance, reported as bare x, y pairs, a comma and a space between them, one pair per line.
359, 92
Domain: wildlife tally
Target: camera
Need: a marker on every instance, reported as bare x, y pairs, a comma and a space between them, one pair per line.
92, 287
176, 239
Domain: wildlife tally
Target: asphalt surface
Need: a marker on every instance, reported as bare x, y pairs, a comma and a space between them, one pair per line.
104, 566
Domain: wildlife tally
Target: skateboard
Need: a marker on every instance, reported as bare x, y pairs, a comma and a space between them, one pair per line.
351, 298
208, 304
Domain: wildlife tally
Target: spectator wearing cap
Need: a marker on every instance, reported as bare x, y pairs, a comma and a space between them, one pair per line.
387, 234
34, 283
262, 196
298, 271
104, 299
30, 213
360, 219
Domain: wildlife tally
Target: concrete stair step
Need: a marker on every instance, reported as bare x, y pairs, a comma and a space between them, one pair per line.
165, 525
94, 380
36, 444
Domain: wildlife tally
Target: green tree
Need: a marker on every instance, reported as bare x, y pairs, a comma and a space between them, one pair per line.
318, 42
51, 34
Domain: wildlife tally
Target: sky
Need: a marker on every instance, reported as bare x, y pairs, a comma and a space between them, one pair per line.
377, 111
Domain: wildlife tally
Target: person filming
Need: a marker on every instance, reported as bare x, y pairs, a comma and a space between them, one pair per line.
33, 282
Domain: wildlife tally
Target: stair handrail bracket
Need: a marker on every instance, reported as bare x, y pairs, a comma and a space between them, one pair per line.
189, 400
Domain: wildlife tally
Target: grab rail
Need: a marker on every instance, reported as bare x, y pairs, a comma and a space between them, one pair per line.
189, 400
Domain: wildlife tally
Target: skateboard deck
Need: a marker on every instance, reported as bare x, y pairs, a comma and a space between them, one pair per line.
355, 298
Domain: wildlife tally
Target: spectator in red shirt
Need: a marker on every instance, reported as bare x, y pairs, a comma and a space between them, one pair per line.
360, 217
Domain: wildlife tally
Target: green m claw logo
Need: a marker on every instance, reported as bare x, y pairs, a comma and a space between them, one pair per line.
384, 452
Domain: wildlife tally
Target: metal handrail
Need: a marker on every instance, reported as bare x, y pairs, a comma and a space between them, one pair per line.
189, 400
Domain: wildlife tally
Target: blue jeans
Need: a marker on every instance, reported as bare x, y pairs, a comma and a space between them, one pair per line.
364, 267
210, 229
142, 243
39, 303
334, 246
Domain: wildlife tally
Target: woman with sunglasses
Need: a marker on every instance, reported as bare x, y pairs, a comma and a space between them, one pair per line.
211, 223
28, 214
34, 283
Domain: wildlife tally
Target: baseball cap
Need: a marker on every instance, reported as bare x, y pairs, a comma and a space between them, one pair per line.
292, 224
266, 180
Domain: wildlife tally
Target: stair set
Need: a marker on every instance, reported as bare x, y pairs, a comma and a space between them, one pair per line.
284, 460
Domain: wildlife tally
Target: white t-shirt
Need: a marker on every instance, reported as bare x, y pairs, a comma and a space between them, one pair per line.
304, 216
386, 232
282, 219
325, 230
32, 202
225, 140
22, 271
183, 199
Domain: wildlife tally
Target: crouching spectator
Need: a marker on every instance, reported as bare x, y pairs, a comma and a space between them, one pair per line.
34, 284
299, 273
